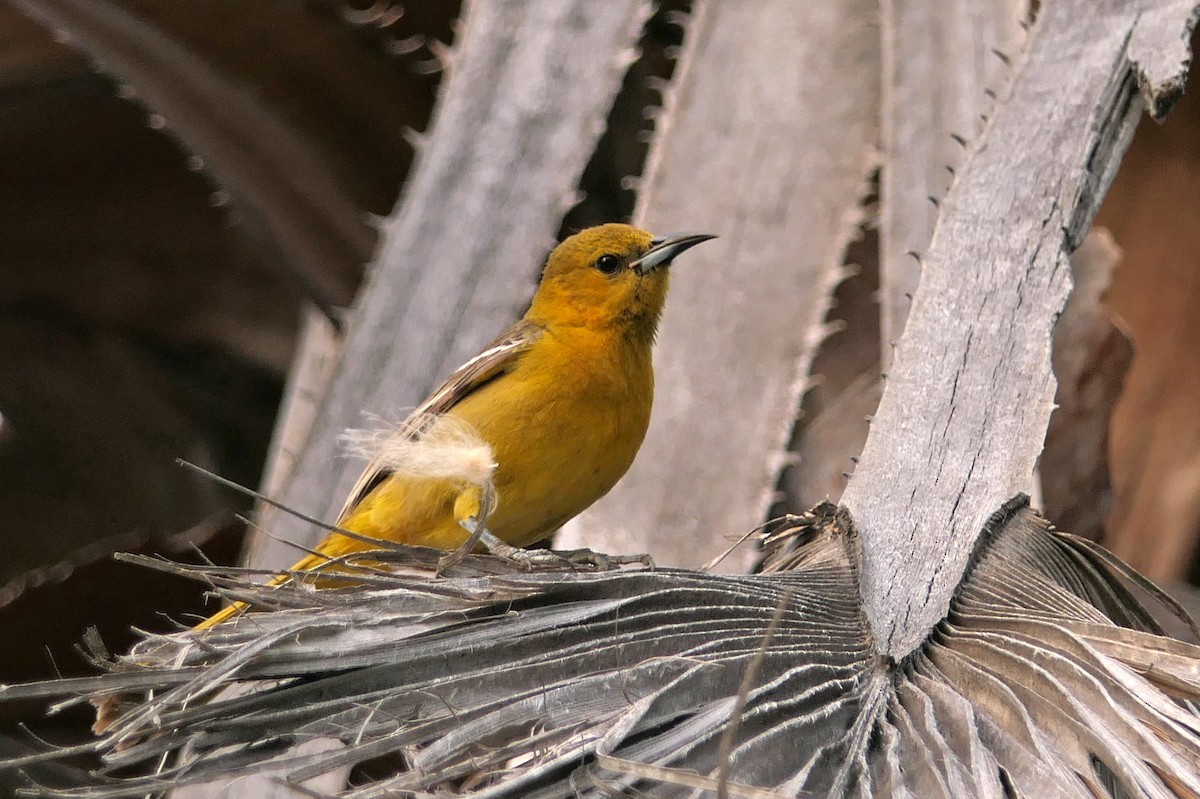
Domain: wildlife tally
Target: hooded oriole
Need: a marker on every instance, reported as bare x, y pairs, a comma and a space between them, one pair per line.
561, 400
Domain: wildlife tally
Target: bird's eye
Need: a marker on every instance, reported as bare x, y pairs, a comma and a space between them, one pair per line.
608, 264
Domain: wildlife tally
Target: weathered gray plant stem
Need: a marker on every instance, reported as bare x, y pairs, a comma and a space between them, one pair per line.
966, 405
939, 78
318, 350
768, 145
518, 118
944, 63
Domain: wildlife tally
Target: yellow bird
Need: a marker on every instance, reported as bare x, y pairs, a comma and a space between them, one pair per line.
561, 400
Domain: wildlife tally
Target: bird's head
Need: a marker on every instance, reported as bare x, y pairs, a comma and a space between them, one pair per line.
609, 276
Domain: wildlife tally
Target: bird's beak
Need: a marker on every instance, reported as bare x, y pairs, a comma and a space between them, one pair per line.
663, 250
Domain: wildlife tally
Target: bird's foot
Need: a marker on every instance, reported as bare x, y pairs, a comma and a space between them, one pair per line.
454, 557
598, 561
577, 559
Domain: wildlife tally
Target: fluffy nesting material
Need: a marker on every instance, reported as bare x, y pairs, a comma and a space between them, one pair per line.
427, 445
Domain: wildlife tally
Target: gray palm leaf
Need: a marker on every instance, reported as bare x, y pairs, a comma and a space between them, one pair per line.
1048, 677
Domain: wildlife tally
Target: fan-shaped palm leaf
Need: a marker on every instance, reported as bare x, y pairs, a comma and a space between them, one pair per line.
1048, 676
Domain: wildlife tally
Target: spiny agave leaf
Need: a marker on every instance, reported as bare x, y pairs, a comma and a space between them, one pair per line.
284, 192
1048, 677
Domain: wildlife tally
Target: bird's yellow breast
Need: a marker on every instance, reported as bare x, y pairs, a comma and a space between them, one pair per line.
564, 425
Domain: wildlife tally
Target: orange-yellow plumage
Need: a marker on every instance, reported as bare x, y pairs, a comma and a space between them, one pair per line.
563, 400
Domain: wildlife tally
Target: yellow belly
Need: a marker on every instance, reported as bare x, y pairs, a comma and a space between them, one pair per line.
563, 431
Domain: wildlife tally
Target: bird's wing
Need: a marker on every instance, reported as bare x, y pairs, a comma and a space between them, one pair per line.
496, 359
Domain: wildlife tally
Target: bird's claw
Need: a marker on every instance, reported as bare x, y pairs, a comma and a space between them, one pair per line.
575, 559
455, 556
599, 561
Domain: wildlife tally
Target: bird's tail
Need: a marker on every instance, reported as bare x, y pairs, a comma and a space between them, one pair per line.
222, 616
311, 562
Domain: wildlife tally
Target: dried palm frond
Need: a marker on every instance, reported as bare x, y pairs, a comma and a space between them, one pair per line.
1048, 676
